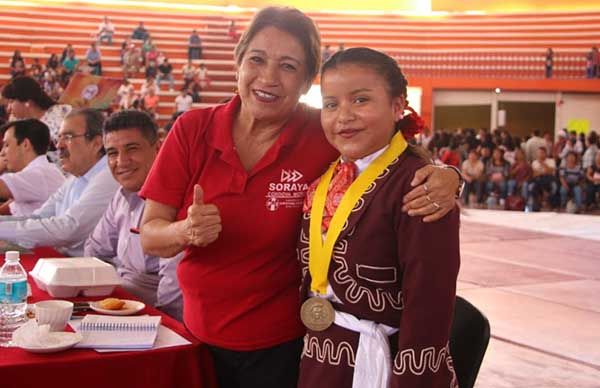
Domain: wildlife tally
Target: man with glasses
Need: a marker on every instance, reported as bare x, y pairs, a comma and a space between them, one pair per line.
68, 217
131, 143
31, 179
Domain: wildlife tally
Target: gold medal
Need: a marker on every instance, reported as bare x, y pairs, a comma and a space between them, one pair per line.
317, 314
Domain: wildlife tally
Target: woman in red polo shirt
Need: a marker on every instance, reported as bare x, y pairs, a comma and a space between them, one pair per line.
228, 188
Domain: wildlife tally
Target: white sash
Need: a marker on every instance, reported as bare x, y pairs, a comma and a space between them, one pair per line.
373, 364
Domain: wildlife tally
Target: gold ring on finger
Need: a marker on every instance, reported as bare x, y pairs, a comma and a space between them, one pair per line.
437, 205
428, 197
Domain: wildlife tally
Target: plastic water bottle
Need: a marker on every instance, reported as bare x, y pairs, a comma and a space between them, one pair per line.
13, 296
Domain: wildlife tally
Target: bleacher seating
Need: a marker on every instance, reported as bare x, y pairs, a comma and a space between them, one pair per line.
467, 46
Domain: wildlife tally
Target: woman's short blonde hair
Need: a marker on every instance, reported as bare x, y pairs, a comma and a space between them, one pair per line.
294, 23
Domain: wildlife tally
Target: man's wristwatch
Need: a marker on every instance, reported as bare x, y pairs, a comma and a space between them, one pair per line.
461, 181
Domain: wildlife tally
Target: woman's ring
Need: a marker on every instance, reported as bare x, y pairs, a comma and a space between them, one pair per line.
437, 205
428, 198
425, 188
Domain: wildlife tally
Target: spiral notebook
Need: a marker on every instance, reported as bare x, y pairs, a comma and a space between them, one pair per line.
108, 332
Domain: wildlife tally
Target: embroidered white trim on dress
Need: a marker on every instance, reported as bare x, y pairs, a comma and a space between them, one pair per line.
359, 205
370, 188
384, 173
351, 232
378, 299
346, 223
407, 360
377, 269
450, 365
303, 253
328, 352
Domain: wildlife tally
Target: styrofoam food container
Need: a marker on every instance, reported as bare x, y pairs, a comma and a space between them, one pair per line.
70, 276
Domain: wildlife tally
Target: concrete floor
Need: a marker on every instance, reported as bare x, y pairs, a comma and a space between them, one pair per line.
541, 293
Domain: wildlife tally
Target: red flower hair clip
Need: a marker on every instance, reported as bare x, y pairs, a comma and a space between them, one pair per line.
411, 124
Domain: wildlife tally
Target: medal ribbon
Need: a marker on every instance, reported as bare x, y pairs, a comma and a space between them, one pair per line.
320, 251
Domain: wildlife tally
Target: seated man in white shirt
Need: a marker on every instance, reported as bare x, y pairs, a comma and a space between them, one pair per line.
131, 142
544, 180
68, 217
183, 102
106, 30
31, 178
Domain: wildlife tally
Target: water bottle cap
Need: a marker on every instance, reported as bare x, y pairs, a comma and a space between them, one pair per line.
12, 256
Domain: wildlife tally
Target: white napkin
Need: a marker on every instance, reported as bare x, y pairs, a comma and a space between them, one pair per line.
32, 335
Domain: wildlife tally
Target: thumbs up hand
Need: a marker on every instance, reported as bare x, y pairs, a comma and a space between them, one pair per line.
198, 195
203, 222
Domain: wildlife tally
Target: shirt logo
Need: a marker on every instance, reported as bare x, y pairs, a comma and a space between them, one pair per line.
290, 176
288, 193
272, 204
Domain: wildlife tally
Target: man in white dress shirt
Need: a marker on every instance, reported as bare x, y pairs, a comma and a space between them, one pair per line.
31, 179
131, 142
68, 217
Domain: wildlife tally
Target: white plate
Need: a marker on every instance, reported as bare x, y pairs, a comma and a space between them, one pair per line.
131, 307
63, 341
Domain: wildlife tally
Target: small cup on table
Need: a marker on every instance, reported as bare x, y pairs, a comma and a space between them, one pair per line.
55, 313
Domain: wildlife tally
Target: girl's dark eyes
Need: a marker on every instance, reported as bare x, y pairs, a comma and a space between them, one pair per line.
288, 66
256, 59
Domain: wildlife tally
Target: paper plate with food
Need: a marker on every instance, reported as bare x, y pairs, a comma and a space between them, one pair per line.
115, 306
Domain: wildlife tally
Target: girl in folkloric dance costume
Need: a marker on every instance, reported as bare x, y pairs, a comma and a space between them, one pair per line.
377, 304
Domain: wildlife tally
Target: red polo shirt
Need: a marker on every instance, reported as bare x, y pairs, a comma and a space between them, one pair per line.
241, 292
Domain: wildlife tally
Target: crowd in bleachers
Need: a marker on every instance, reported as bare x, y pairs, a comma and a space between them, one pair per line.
534, 173
500, 170
139, 58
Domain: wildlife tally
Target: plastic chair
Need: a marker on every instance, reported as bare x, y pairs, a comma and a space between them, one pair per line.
469, 339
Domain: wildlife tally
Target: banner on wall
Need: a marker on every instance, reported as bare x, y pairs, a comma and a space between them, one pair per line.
579, 125
90, 91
